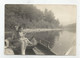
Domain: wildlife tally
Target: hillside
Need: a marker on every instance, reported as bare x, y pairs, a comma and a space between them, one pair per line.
71, 25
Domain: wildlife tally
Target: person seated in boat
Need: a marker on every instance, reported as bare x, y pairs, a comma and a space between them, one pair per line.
34, 41
24, 41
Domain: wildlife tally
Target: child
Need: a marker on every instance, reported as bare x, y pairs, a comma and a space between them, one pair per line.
24, 40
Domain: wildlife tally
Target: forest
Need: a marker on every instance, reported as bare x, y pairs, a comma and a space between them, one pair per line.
29, 15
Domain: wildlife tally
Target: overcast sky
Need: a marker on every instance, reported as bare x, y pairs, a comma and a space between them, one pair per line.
65, 13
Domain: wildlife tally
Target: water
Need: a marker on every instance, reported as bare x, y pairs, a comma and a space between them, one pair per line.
60, 41
65, 41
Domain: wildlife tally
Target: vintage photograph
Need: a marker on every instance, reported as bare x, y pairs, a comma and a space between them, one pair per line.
40, 29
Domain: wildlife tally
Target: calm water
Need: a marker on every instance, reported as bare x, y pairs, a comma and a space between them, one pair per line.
60, 41
65, 41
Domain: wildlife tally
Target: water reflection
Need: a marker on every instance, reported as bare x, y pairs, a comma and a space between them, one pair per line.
49, 36
66, 41
60, 41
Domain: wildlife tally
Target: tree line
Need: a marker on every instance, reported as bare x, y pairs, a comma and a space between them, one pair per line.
30, 16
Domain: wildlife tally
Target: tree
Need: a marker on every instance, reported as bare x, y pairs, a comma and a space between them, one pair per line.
28, 15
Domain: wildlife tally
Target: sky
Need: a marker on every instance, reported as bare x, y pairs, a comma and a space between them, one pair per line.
65, 13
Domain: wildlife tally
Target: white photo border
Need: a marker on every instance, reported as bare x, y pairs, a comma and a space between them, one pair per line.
2, 23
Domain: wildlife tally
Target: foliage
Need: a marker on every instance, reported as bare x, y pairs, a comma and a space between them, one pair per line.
30, 16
